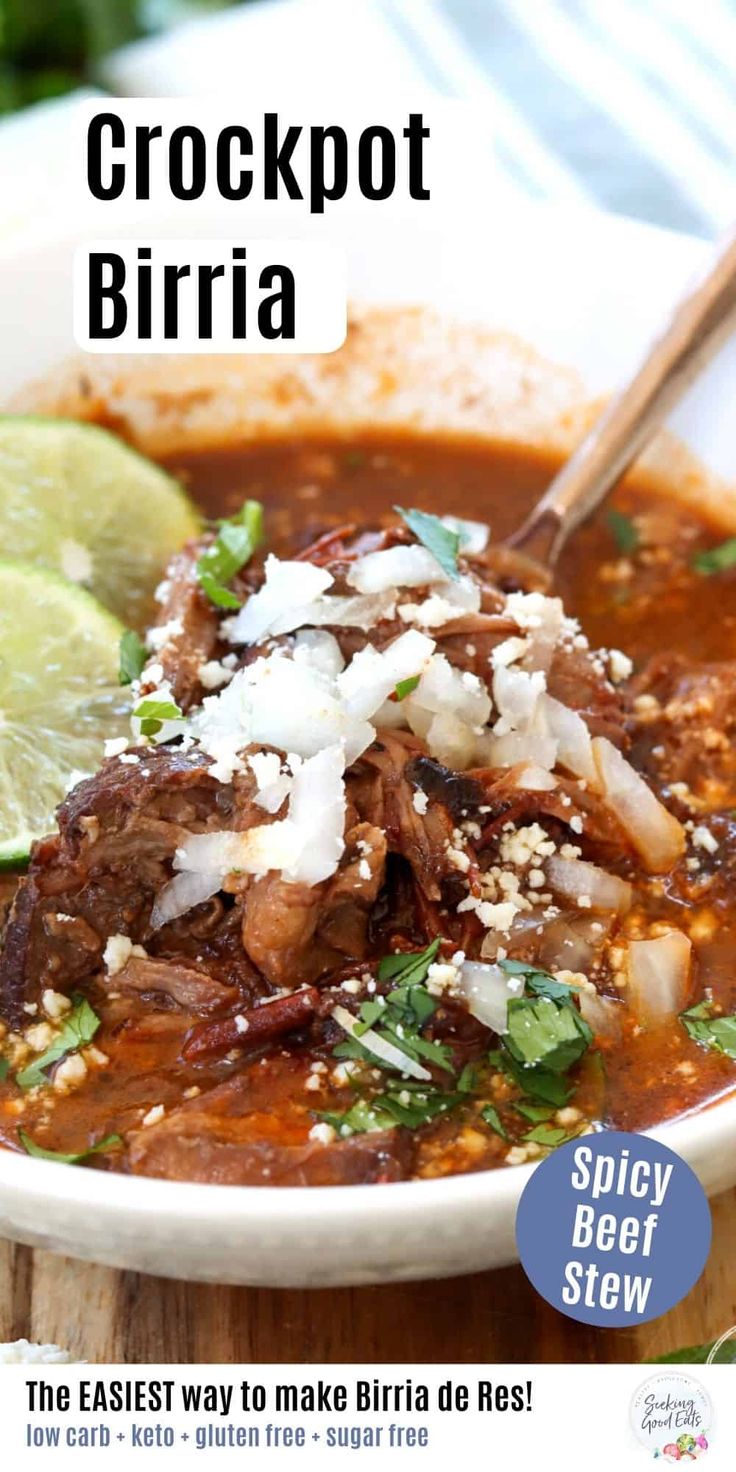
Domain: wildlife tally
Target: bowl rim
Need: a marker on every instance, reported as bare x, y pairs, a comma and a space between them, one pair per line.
138, 1196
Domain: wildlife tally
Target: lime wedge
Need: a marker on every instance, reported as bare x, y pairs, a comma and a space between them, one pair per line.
59, 698
75, 499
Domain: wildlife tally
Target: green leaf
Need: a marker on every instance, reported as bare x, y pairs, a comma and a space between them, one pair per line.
716, 559
543, 1031
535, 1113
537, 1083
406, 1105
152, 713
493, 1120
537, 981
549, 1135
435, 536
399, 1016
111, 1142
712, 1031
4, 1069
79, 1028
405, 687
133, 656
468, 1080
623, 530
234, 545
410, 967
414, 1001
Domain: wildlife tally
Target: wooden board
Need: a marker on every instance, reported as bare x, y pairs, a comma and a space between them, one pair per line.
102, 1315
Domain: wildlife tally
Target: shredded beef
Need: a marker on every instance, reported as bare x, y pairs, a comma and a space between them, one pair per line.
229, 1136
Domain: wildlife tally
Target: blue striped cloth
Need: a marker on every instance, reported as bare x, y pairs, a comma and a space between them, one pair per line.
627, 104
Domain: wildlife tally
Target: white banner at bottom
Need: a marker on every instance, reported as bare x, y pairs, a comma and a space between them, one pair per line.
297, 1418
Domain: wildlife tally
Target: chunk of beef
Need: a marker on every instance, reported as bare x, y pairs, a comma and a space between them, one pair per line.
241, 1135
190, 624
683, 724
118, 833
192, 988
382, 792
295, 933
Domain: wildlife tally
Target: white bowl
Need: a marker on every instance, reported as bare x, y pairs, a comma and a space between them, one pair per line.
586, 290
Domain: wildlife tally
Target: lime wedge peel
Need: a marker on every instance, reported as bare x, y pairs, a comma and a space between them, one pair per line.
76, 500
59, 698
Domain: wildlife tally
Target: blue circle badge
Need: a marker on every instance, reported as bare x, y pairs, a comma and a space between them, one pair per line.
613, 1229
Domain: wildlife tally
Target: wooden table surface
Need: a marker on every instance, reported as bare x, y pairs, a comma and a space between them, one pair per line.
100, 1315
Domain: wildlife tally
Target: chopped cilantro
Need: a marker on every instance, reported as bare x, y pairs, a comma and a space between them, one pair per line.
152, 714
716, 559
537, 981
79, 1027
535, 1113
438, 539
493, 1119
111, 1142
623, 530
405, 687
468, 1080
132, 657
409, 967
549, 1135
544, 1031
536, 1083
399, 1016
713, 1031
410, 1104
234, 545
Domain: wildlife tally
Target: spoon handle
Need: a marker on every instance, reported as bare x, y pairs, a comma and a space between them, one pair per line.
699, 326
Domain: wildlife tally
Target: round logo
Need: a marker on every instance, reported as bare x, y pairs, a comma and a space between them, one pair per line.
671, 1415
613, 1229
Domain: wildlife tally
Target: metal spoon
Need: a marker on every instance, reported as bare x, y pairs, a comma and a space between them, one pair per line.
699, 326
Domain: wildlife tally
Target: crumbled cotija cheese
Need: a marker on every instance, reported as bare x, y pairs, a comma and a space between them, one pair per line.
118, 951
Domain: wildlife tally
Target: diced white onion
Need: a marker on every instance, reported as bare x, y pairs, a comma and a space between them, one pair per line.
317, 814
451, 741
396, 567
577, 880
516, 694
287, 585
655, 834
272, 784
443, 689
320, 649
351, 613
574, 748
602, 1014
306, 846
380, 1048
474, 535
542, 619
181, 894
518, 746
535, 778
373, 675
256, 851
455, 599
488, 990
659, 972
